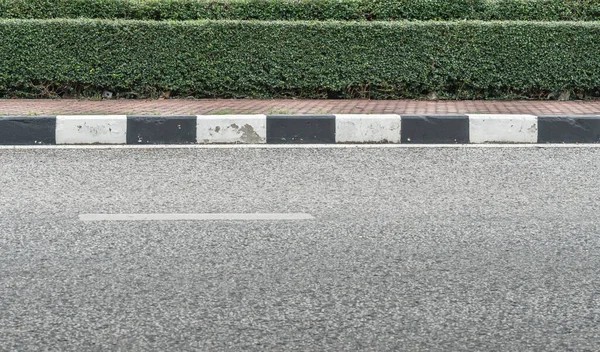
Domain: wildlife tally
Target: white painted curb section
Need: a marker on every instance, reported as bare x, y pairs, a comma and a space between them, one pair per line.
91, 129
367, 128
503, 128
231, 129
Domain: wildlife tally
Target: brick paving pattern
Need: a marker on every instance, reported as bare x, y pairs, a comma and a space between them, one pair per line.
18, 107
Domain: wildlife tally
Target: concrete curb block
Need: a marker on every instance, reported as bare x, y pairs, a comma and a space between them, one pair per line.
368, 128
228, 129
503, 128
435, 129
298, 129
91, 129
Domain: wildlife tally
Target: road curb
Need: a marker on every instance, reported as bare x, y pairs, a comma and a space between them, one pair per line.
299, 129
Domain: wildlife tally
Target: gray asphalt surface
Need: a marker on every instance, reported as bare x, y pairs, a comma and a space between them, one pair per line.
410, 249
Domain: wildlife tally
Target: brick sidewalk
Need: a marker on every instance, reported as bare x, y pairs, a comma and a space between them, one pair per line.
18, 107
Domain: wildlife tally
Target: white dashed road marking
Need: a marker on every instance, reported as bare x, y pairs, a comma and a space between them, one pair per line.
197, 217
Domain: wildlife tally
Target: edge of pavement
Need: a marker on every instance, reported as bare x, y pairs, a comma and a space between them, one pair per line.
299, 129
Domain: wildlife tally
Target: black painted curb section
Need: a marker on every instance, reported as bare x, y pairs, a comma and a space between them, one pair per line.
161, 129
300, 129
27, 130
435, 129
569, 129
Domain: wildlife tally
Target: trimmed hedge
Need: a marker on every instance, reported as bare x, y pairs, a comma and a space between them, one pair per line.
468, 59
542, 10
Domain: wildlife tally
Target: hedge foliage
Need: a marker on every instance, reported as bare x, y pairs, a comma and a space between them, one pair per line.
462, 59
542, 10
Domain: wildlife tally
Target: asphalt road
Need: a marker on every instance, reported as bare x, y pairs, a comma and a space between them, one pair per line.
475, 249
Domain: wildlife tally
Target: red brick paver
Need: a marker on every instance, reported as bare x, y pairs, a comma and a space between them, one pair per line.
17, 107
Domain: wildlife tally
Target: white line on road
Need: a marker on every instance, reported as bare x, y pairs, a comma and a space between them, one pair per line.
298, 146
201, 217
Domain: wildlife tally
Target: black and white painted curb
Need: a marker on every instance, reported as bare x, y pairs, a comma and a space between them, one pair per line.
298, 129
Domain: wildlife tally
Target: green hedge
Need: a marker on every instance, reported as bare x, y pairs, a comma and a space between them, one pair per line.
467, 59
542, 10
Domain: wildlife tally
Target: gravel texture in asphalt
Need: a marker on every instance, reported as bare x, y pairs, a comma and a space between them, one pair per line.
449, 249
